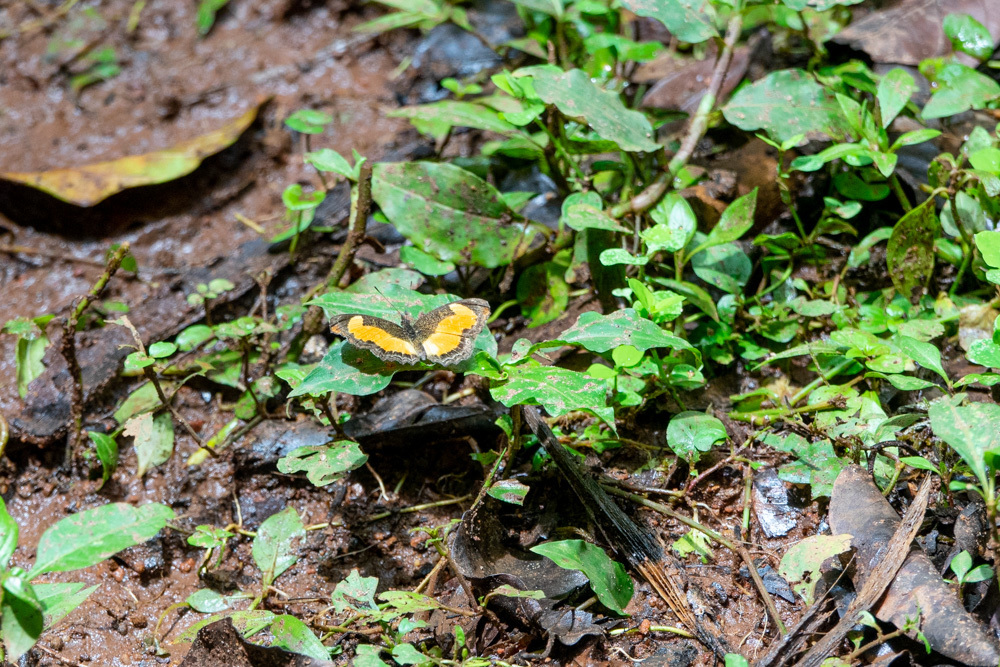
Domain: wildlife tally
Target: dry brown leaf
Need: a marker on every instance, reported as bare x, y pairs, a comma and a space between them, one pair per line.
93, 183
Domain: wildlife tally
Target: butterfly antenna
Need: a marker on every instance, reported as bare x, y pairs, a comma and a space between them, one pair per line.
402, 315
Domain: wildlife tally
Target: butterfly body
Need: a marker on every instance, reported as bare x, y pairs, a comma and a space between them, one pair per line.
445, 335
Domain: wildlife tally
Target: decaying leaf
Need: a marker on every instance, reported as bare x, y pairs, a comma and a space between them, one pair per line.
93, 183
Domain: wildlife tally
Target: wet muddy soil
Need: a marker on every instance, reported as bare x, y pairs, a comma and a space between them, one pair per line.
174, 85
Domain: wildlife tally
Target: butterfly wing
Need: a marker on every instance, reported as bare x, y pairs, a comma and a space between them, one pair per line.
386, 340
448, 334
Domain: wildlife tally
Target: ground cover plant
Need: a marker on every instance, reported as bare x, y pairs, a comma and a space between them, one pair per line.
622, 368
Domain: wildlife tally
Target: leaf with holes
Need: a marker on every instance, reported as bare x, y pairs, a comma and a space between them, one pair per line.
910, 252
450, 213
558, 390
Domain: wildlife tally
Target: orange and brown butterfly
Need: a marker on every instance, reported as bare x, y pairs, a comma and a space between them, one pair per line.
445, 335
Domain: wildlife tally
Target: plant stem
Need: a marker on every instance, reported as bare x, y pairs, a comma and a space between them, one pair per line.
67, 346
359, 220
696, 130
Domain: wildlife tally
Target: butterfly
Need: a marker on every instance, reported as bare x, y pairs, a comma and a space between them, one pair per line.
445, 335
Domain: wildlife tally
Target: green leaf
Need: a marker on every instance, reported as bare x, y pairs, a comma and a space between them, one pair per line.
425, 263
817, 464
323, 464
925, 354
787, 103
293, 635
142, 399
675, 224
724, 266
107, 453
608, 578
960, 88
688, 20
973, 431
582, 210
736, 221
8, 536
355, 593
968, 35
543, 293
556, 389
989, 245
367, 655
438, 118
21, 620
193, 336
31, 344
406, 654
600, 333
986, 159
327, 159
801, 564
450, 213
550, 7
691, 433
308, 121
910, 252
616, 256
985, 353
209, 537
894, 91
87, 538
272, 547
59, 599
509, 491
577, 96
153, 439
205, 16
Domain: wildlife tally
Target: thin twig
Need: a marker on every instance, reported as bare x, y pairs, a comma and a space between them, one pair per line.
67, 346
696, 130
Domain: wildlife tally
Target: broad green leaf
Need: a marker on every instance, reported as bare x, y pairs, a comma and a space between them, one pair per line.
577, 96
207, 601
989, 246
272, 547
153, 439
972, 431
985, 353
724, 266
406, 654
819, 6
600, 333
323, 464
438, 118
327, 159
583, 210
862, 251
693, 293
293, 635
960, 88
910, 252
247, 623
675, 225
894, 91
543, 293
87, 538
550, 7
688, 20
801, 564
691, 433
8, 536
355, 593
59, 599
425, 263
21, 620
608, 578
558, 390
450, 213
736, 221
142, 399
617, 256
968, 35
925, 354
367, 655
835, 152
986, 159
787, 103
817, 464
308, 121
509, 491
